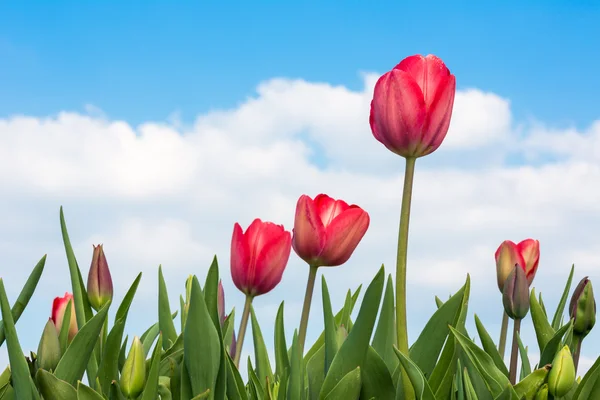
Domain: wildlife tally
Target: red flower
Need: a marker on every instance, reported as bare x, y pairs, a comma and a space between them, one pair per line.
326, 231
59, 306
412, 106
526, 254
259, 256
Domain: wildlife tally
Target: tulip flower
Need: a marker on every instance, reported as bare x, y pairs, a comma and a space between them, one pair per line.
412, 106
326, 232
582, 310
59, 307
562, 375
133, 373
258, 258
100, 286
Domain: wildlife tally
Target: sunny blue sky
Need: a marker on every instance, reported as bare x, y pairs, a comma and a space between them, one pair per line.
143, 60
274, 99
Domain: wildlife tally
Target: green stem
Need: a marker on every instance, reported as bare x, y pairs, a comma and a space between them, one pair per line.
242, 330
401, 326
514, 356
503, 333
310, 286
577, 351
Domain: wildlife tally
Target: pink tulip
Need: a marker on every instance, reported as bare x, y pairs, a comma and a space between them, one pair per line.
59, 306
326, 231
412, 106
259, 256
526, 254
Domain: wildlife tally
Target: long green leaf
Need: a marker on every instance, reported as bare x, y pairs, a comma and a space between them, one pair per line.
553, 345
152, 381
19, 368
331, 343
348, 388
53, 388
282, 361
296, 379
376, 378
489, 346
384, 339
87, 393
560, 309
543, 330
417, 379
263, 366
167, 327
25, 295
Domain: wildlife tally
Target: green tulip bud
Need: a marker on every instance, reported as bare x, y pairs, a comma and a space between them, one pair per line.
562, 375
582, 308
48, 353
515, 294
542, 394
133, 375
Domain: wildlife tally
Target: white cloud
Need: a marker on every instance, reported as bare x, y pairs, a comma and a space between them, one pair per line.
169, 193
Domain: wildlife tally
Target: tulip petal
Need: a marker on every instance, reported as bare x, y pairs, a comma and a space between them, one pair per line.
343, 235
530, 251
309, 231
271, 262
398, 112
240, 256
328, 208
438, 116
428, 72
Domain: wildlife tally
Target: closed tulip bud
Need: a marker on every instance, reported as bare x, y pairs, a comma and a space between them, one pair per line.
133, 374
48, 353
412, 106
562, 375
99, 286
259, 256
526, 253
515, 295
327, 231
59, 307
542, 394
221, 302
582, 308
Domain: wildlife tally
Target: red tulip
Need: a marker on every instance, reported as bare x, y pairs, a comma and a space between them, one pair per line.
412, 106
59, 307
326, 231
100, 286
259, 256
526, 254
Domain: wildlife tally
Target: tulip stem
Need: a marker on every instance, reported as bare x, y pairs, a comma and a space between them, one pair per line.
242, 330
503, 334
310, 286
401, 325
577, 345
514, 356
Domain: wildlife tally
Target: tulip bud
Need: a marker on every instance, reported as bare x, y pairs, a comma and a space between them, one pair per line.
542, 394
562, 375
515, 295
48, 353
99, 286
133, 374
412, 105
259, 256
582, 308
59, 307
327, 231
221, 302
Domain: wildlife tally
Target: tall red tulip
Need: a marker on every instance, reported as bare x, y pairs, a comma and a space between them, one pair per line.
259, 256
59, 306
526, 253
326, 231
412, 106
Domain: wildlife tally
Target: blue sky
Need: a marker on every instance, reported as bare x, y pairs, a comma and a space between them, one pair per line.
274, 99
145, 60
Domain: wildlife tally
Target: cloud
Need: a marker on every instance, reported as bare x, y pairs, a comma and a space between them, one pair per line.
169, 193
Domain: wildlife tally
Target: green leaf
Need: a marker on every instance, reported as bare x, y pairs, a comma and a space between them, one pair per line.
489, 346
354, 349
202, 349
543, 330
255, 381
74, 272
53, 388
525, 364
63, 337
152, 381
589, 388
331, 343
109, 367
19, 368
376, 378
25, 295
122, 353
315, 373
263, 366
384, 339
438, 302
282, 361
529, 386
417, 379
165, 322
115, 392
235, 385
426, 350
87, 393
469, 390
553, 345
348, 388
296, 380
560, 309
211, 288
73, 363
